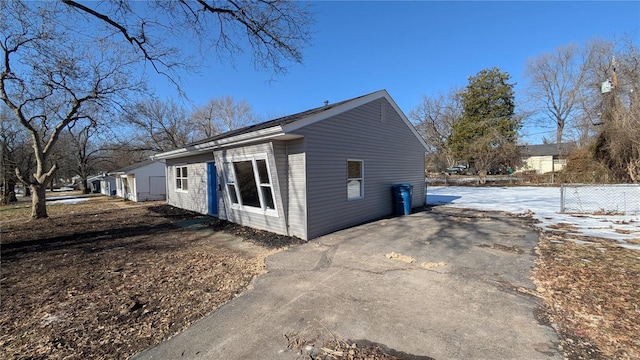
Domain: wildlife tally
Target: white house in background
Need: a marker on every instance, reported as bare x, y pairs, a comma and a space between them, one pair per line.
545, 158
143, 181
104, 184
305, 174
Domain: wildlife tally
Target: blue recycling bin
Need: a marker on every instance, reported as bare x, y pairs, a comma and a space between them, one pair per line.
402, 198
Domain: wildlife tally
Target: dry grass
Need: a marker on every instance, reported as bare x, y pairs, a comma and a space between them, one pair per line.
107, 278
593, 294
21, 210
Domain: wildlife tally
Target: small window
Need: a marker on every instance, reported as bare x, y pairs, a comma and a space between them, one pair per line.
182, 182
231, 183
355, 179
265, 184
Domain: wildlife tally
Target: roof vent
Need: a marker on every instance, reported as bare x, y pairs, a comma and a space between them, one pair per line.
326, 103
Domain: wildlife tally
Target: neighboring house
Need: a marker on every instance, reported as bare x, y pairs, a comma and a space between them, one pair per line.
545, 158
306, 174
104, 184
143, 181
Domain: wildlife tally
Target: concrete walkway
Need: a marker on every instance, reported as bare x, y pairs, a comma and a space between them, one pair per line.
467, 296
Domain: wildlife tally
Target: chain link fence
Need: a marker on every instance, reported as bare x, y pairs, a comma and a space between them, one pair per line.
619, 199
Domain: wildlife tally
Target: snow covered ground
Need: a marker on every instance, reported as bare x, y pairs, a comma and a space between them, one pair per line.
544, 202
68, 200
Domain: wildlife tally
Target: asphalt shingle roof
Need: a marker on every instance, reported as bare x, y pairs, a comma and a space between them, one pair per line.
285, 120
547, 149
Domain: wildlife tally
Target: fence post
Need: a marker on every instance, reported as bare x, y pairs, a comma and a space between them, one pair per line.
561, 198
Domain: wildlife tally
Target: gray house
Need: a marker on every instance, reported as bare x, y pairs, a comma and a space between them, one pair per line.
306, 174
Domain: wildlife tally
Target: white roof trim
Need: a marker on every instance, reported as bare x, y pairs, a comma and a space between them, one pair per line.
269, 133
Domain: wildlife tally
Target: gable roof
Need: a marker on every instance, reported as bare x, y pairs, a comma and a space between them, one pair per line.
547, 149
282, 128
103, 176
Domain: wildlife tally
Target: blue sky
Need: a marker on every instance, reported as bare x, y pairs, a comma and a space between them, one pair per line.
411, 49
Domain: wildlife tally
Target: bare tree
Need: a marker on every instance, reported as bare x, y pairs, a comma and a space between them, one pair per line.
221, 115
10, 143
276, 31
616, 78
557, 82
86, 154
159, 126
59, 58
51, 73
487, 158
434, 120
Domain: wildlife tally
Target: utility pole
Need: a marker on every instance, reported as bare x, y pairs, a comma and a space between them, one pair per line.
608, 90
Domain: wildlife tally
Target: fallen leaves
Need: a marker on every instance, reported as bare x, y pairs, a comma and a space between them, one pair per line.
80, 288
591, 290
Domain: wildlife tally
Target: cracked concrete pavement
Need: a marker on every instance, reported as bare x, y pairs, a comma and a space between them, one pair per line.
468, 295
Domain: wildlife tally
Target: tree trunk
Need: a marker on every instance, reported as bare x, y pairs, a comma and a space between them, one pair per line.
27, 191
482, 176
38, 201
9, 192
559, 131
85, 186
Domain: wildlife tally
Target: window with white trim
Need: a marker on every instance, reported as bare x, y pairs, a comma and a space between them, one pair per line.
249, 183
355, 179
182, 182
230, 180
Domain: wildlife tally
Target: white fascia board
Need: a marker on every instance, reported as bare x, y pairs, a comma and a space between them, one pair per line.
248, 137
170, 154
213, 145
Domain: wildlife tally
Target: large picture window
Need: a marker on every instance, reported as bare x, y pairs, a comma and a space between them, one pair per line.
182, 182
355, 179
249, 184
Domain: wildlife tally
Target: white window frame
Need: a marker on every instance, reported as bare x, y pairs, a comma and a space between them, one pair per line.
183, 179
232, 182
360, 179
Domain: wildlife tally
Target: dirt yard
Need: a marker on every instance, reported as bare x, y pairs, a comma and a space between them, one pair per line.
107, 278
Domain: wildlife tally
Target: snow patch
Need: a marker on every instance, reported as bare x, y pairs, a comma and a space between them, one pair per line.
543, 203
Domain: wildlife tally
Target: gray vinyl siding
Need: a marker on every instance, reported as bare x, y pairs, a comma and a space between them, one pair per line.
297, 189
273, 223
196, 196
375, 134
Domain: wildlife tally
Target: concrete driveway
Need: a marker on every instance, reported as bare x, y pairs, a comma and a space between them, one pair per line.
465, 297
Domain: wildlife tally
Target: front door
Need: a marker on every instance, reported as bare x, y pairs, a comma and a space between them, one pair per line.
212, 189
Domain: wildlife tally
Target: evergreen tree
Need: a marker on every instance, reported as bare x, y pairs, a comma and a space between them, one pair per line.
486, 134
